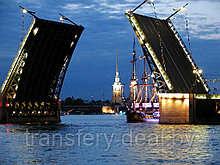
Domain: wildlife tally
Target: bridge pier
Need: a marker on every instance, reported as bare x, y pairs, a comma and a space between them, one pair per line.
185, 108
34, 120
3, 116
3, 113
4, 119
7, 117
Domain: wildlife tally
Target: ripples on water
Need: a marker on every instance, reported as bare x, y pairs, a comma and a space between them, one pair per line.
106, 139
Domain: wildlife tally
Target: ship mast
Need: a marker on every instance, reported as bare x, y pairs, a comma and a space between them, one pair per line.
145, 81
133, 84
134, 61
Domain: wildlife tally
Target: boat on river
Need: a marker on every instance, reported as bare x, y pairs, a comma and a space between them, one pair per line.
143, 105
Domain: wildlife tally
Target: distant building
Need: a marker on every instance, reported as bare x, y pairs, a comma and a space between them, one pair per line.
117, 86
108, 110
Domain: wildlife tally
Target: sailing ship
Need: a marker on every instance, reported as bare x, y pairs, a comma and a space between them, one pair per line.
143, 96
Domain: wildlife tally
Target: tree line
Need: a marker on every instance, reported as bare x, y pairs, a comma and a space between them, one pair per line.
79, 101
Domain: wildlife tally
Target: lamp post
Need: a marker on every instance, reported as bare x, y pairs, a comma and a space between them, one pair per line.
65, 18
24, 10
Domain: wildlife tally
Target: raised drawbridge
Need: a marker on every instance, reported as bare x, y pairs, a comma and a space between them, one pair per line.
31, 90
183, 91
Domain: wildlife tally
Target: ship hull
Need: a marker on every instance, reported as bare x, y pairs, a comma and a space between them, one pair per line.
135, 117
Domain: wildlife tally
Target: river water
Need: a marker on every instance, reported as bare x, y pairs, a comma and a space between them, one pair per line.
108, 139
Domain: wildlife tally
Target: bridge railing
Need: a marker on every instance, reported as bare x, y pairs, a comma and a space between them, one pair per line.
188, 55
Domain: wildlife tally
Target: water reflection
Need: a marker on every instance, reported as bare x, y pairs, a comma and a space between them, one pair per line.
108, 139
176, 143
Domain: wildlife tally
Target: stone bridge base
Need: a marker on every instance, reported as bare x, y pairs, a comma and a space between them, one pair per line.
185, 108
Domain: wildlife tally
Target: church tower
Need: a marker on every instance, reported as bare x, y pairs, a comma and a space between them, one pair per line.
117, 86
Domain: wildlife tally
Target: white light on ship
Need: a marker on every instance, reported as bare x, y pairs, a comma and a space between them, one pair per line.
133, 83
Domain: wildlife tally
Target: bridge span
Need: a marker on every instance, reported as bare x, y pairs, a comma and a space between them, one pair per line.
183, 93
31, 90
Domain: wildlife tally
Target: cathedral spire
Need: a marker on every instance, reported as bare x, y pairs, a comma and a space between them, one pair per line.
117, 86
117, 79
117, 59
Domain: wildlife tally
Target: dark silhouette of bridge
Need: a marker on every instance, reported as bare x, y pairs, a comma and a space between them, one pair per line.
31, 91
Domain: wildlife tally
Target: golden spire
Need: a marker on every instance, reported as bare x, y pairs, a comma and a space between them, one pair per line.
117, 59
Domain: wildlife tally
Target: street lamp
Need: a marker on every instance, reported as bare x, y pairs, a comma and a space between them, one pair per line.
27, 11
65, 18
24, 10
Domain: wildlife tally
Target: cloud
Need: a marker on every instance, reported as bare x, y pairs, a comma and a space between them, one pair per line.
202, 15
116, 8
210, 36
76, 7
34, 3
70, 6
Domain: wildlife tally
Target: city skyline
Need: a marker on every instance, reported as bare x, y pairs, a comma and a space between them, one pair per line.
92, 68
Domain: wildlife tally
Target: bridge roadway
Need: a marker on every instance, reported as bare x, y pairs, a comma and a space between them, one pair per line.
177, 66
186, 99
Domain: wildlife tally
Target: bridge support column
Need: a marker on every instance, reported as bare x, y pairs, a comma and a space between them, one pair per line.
175, 108
3, 112
185, 108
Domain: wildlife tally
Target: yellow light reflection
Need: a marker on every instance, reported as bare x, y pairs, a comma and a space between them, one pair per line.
174, 95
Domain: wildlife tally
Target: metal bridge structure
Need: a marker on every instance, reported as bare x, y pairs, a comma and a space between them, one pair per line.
183, 91
31, 90
174, 69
